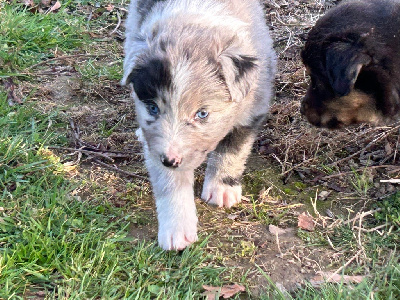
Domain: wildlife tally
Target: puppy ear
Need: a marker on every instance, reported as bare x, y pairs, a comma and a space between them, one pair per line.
239, 72
343, 64
133, 48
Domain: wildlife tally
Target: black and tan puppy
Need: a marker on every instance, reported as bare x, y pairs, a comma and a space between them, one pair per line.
353, 57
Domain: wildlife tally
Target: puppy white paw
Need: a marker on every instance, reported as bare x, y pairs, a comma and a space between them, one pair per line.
170, 238
221, 194
176, 239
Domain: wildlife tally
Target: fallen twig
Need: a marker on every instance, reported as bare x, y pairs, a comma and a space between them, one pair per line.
298, 165
109, 155
362, 215
65, 57
391, 180
372, 229
78, 141
96, 161
351, 172
394, 171
87, 152
119, 24
359, 235
358, 216
344, 266
381, 137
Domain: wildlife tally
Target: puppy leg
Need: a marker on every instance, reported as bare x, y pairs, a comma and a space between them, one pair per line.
225, 166
176, 209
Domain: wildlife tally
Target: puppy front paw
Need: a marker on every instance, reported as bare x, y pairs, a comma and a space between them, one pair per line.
221, 194
178, 236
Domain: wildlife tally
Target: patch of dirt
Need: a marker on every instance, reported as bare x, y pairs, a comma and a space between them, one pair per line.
249, 247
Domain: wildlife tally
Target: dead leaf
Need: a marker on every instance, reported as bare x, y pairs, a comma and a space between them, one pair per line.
232, 217
56, 6
325, 277
275, 230
306, 222
12, 97
29, 3
45, 3
388, 148
94, 35
323, 195
226, 291
110, 7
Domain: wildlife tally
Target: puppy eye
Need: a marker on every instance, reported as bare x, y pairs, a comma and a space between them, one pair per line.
201, 114
153, 109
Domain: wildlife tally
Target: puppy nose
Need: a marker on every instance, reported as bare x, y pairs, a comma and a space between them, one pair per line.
170, 162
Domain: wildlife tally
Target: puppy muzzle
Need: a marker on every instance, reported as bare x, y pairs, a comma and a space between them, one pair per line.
170, 162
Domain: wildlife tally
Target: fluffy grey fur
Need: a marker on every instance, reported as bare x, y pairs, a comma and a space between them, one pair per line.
202, 74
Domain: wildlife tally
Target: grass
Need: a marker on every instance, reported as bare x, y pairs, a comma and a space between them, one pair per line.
27, 38
361, 182
58, 245
51, 242
93, 71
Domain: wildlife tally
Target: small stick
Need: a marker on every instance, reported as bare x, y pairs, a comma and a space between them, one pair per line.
330, 243
362, 215
75, 131
88, 152
394, 171
65, 57
372, 229
277, 243
298, 165
359, 235
366, 147
119, 170
119, 23
357, 170
344, 266
391, 180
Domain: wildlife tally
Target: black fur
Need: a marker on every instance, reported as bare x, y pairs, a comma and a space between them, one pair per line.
233, 141
149, 78
342, 60
243, 64
145, 6
360, 35
150, 122
257, 121
169, 163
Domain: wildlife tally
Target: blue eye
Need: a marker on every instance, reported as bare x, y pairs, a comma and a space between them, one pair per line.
153, 109
202, 114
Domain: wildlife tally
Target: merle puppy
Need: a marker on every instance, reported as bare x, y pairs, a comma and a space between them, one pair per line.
201, 73
353, 57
